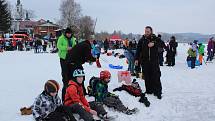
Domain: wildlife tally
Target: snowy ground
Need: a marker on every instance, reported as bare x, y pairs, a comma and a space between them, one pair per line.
188, 95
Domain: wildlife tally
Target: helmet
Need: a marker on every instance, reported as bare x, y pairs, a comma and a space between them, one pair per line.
78, 73
105, 74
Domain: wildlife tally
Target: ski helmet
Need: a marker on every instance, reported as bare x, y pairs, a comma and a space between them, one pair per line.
52, 86
78, 73
105, 74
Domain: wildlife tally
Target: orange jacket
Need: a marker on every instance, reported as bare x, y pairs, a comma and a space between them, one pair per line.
75, 94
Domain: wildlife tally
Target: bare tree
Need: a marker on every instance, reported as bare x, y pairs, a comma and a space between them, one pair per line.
86, 27
70, 13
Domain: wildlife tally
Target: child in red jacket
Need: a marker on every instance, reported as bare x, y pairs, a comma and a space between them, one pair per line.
76, 100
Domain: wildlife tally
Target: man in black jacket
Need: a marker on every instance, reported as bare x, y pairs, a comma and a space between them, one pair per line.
147, 55
79, 55
171, 51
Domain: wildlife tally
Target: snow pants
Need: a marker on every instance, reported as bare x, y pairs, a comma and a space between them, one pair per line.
62, 113
87, 116
114, 102
152, 76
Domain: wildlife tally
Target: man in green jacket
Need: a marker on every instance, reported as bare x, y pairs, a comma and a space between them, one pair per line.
65, 44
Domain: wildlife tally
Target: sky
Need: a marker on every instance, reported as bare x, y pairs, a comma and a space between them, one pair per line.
171, 16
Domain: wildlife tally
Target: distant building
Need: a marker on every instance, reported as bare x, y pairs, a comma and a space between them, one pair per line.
46, 29
25, 25
22, 22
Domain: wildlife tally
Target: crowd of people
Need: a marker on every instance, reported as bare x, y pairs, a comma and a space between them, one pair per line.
196, 53
38, 45
49, 107
146, 56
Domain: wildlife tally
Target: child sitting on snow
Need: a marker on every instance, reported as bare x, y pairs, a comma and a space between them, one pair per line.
76, 100
134, 90
48, 106
99, 88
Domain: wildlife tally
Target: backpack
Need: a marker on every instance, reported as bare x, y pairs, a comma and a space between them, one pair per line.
92, 86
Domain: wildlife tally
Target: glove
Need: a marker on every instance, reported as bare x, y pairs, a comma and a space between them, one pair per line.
112, 95
26, 111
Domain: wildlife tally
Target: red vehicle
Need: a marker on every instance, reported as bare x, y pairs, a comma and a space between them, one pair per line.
21, 37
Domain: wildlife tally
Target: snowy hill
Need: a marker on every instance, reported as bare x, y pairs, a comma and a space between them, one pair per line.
188, 95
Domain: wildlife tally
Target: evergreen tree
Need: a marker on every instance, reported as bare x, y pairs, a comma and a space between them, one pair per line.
5, 16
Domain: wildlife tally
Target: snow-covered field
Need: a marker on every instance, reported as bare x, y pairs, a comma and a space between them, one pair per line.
188, 95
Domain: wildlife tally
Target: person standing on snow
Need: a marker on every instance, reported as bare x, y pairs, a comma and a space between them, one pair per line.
201, 52
161, 47
106, 45
96, 50
65, 44
172, 51
79, 55
129, 53
210, 49
147, 55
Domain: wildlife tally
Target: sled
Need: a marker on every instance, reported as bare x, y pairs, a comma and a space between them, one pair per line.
124, 76
115, 67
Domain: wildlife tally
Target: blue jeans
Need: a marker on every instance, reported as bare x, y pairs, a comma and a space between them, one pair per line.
131, 66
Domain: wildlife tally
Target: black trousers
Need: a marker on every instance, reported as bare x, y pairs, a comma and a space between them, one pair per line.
152, 76
65, 76
87, 116
161, 60
171, 59
62, 113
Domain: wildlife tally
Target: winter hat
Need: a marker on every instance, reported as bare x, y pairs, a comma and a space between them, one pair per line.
51, 86
195, 41
105, 74
68, 30
78, 73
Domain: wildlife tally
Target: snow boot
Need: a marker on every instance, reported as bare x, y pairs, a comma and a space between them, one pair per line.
107, 118
158, 96
130, 111
98, 63
144, 99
